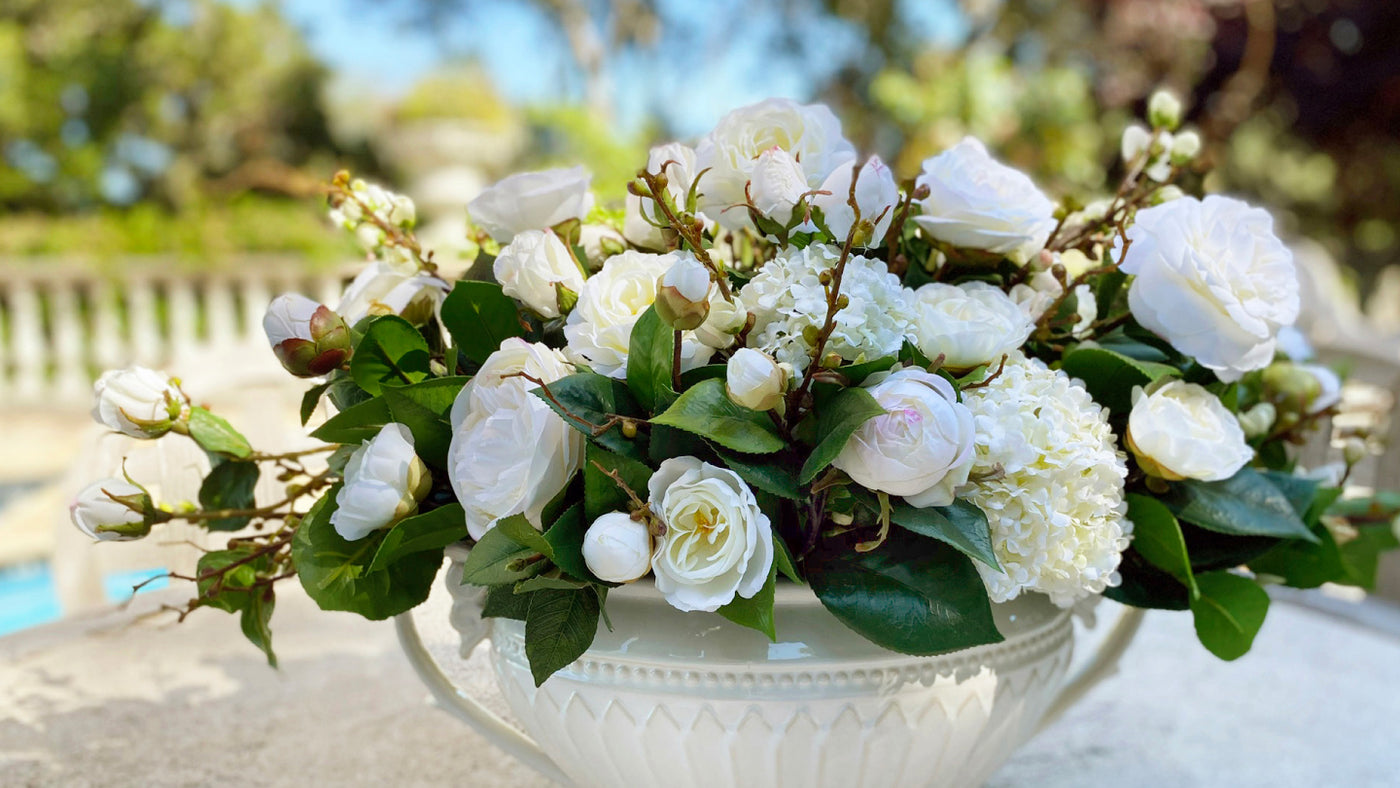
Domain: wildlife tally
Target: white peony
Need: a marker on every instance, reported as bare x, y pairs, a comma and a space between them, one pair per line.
754, 380
718, 544
877, 195
976, 202
1050, 477
969, 324
617, 549
1180, 430
810, 133
384, 481
921, 448
777, 185
97, 513
677, 163
599, 330
380, 289
532, 201
1213, 280
510, 453
138, 402
789, 305
530, 266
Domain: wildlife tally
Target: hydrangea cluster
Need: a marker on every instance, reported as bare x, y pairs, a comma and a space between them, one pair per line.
1050, 479
789, 303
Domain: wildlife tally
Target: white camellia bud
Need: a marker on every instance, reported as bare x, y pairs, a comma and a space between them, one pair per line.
683, 293
727, 318
111, 510
754, 380
1185, 146
1166, 194
922, 446
877, 194
777, 184
1164, 110
1258, 420
617, 548
531, 266
1354, 450
307, 337
532, 201
969, 324
384, 481
1180, 430
139, 402
1137, 138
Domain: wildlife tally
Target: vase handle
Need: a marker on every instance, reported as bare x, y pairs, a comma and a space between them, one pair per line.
1101, 665
453, 699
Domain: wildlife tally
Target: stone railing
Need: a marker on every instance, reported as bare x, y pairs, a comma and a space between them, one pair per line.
63, 322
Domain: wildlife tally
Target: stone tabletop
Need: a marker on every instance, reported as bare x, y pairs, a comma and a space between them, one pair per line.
122, 698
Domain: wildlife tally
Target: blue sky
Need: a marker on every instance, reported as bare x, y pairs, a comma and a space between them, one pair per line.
718, 63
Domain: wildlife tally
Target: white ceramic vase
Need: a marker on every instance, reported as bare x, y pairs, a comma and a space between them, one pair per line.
689, 699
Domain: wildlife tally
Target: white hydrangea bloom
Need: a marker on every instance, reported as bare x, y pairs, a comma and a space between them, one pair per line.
1056, 510
789, 306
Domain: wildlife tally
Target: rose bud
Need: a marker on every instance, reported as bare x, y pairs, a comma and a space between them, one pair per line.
683, 294
617, 548
139, 402
112, 510
308, 338
754, 380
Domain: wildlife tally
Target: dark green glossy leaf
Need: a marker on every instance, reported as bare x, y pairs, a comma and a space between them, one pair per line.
1228, 613
503, 602
1144, 585
1246, 504
649, 359
782, 558
392, 353
559, 627
1157, 537
256, 621
311, 399
755, 613
431, 531
961, 525
489, 562
586, 401
479, 317
706, 410
1110, 376
229, 485
845, 414
601, 494
565, 539
772, 478
432, 432
361, 422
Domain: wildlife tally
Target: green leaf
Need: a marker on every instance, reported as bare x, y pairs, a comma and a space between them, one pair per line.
692, 376
1228, 613
590, 400
336, 573
962, 525
551, 581
430, 531
361, 422
558, 629
565, 537
912, 595
1245, 504
1360, 556
229, 486
705, 410
1303, 564
519, 530
772, 478
311, 399
755, 613
256, 621
1210, 550
857, 373
1144, 585
392, 353
479, 316
1157, 536
432, 432
839, 420
600, 493
490, 559
217, 436
1110, 376
649, 358
503, 602
234, 593
782, 558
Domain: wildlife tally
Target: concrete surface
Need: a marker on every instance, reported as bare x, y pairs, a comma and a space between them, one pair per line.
118, 700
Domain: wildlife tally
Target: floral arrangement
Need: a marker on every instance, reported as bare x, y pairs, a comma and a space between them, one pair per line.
778, 363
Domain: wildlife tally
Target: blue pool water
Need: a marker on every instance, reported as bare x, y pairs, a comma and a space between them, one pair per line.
28, 597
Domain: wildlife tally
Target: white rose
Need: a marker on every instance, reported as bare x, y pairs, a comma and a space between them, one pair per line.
810, 133
599, 242
1180, 430
531, 264
677, 163
727, 318
1329, 387
510, 453
969, 324
97, 513
532, 201
599, 330
1213, 280
718, 543
754, 380
617, 549
877, 194
777, 184
976, 202
921, 448
380, 289
139, 402
384, 481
